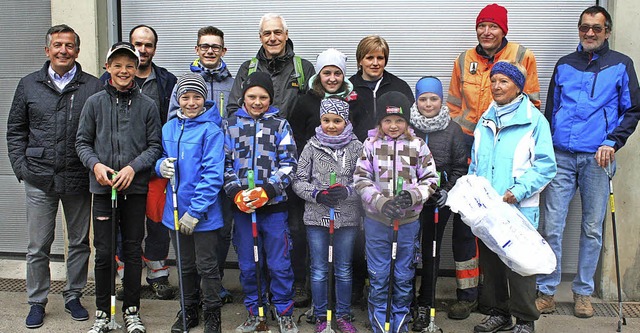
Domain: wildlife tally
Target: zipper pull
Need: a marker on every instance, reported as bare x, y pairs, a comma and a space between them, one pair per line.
71, 106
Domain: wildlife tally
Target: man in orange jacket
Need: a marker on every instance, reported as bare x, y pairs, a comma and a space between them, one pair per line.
469, 96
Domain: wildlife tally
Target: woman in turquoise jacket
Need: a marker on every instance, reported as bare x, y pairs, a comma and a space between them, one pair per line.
512, 148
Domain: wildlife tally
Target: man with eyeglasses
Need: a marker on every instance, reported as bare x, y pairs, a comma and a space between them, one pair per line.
592, 108
289, 74
157, 83
468, 98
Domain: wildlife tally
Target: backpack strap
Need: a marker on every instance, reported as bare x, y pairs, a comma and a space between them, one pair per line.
297, 63
253, 66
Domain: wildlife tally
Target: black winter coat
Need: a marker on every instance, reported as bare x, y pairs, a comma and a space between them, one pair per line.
41, 131
449, 152
305, 118
362, 107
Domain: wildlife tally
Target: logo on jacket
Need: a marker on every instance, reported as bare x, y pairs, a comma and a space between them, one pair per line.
473, 67
353, 96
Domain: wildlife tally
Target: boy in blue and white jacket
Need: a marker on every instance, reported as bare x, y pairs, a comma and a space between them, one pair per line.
256, 139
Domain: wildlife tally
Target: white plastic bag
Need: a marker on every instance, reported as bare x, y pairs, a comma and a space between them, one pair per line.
502, 227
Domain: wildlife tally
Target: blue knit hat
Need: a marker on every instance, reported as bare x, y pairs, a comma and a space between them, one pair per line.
510, 71
429, 84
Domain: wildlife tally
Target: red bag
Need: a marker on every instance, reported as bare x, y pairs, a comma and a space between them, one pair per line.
156, 198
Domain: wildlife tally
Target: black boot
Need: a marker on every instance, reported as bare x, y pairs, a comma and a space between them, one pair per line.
212, 321
192, 319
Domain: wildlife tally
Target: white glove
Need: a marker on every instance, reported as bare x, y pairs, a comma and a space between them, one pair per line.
187, 224
167, 169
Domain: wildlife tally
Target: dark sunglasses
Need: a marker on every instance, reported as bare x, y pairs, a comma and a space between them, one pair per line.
596, 28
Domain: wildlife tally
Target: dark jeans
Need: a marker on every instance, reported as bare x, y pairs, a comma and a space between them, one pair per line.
506, 292
130, 217
429, 276
224, 234
298, 232
199, 268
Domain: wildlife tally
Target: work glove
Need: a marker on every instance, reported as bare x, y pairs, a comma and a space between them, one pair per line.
239, 201
167, 169
255, 198
187, 224
440, 197
325, 198
403, 199
338, 192
391, 210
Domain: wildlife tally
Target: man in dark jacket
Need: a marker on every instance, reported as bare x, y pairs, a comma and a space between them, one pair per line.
289, 74
156, 82
41, 132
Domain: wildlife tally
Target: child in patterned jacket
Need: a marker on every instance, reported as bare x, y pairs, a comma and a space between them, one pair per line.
392, 151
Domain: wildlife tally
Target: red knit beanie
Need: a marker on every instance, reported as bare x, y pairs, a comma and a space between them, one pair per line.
494, 13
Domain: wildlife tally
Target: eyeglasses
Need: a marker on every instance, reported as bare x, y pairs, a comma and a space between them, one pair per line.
267, 33
596, 28
214, 47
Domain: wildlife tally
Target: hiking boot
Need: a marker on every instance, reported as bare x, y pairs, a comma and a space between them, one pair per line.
35, 318
321, 325
132, 320
225, 296
582, 307
545, 303
422, 319
494, 323
77, 311
345, 326
462, 309
192, 319
523, 326
101, 324
162, 288
287, 325
249, 325
120, 292
212, 321
301, 298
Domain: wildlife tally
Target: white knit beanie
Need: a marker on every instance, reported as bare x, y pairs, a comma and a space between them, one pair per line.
331, 57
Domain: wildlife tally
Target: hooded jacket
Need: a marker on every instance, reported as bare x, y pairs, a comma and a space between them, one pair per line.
198, 145
264, 145
283, 75
385, 159
41, 131
120, 129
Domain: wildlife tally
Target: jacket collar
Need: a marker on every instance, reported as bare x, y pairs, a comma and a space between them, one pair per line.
522, 115
43, 73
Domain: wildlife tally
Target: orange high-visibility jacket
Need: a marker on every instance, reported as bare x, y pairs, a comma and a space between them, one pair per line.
470, 89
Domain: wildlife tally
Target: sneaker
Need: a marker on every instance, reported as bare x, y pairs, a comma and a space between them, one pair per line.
545, 303
422, 319
582, 307
249, 325
132, 320
120, 292
301, 298
524, 327
101, 324
35, 318
462, 309
321, 325
345, 326
212, 321
287, 325
77, 311
192, 320
494, 323
225, 296
162, 288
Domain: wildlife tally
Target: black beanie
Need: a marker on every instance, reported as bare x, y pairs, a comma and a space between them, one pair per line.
260, 79
393, 103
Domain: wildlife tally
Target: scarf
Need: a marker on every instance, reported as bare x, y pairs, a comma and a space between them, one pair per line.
428, 125
506, 111
338, 141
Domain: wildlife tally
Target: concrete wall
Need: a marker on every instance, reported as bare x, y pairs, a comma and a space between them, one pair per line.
624, 39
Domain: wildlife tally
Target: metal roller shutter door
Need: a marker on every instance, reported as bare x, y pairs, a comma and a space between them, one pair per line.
424, 39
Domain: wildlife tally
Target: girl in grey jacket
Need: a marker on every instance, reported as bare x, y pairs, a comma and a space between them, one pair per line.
334, 148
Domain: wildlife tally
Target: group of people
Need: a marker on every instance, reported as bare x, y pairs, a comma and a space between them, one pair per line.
289, 156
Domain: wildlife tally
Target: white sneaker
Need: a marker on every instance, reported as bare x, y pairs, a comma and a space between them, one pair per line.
132, 320
249, 325
101, 325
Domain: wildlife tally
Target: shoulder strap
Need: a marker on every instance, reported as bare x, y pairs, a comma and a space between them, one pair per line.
297, 63
253, 66
461, 66
520, 54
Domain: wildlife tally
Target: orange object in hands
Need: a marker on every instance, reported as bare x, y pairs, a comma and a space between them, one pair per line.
239, 201
255, 198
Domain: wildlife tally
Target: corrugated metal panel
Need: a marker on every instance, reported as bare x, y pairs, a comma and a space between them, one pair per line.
424, 39
24, 26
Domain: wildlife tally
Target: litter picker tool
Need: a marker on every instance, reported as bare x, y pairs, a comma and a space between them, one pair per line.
392, 270
113, 325
262, 319
432, 311
621, 319
176, 227
332, 216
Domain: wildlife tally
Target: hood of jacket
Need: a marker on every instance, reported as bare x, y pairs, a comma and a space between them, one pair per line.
217, 75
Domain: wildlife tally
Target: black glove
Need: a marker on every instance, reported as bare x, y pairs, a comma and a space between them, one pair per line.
391, 210
440, 197
324, 198
338, 192
403, 199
